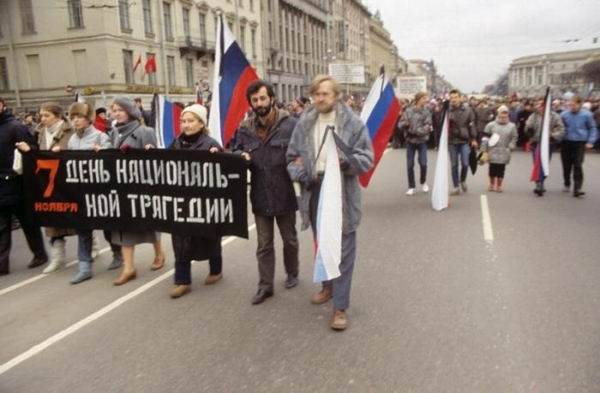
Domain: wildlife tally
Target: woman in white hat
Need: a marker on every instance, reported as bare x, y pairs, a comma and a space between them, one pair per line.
502, 140
194, 136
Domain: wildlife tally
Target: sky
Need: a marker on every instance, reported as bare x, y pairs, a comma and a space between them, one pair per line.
474, 41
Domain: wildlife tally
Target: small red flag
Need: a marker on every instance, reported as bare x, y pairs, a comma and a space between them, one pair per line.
150, 66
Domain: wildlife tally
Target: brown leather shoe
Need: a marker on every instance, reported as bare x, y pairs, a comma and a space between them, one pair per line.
339, 320
125, 277
180, 290
159, 263
213, 278
322, 296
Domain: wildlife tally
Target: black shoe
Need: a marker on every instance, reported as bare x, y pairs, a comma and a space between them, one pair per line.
4, 272
35, 262
261, 296
291, 282
578, 193
538, 192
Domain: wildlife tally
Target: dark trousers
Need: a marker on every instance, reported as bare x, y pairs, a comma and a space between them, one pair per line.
115, 248
341, 285
421, 148
265, 252
571, 153
183, 269
32, 232
497, 170
459, 153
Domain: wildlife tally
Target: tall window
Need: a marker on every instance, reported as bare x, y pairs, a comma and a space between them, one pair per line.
3, 75
243, 37
189, 72
171, 70
27, 20
252, 5
202, 26
152, 76
186, 22
147, 8
124, 16
35, 71
253, 43
128, 66
75, 14
168, 21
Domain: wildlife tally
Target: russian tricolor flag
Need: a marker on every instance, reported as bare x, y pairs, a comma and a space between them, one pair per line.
380, 112
233, 75
541, 164
167, 120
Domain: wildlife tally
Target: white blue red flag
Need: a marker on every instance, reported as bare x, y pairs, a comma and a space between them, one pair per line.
439, 192
167, 120
233, 75
541, 164
380, 112
328, 253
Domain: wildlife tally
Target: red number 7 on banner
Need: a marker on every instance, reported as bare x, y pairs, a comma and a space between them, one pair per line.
52, 166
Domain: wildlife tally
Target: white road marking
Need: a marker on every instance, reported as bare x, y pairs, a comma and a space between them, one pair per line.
91, 318
488, 232
40, 276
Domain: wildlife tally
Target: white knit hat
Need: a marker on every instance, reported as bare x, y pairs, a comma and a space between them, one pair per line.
198, 110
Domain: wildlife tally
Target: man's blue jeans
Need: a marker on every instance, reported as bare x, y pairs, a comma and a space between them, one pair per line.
411, 148
461, 151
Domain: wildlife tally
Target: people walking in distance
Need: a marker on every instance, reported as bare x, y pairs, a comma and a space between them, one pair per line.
262, 139
533, 129
194, 136
580, 134
462, 135
502, 140
418, 126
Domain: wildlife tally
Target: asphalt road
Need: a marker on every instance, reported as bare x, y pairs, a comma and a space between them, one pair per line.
435, 307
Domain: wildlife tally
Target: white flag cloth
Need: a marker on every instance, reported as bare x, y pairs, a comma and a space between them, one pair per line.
545, 137
439, 193
329, 218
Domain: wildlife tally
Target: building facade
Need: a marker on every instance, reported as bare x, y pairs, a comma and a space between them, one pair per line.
295, 40
382, 51
46, 47
530, 75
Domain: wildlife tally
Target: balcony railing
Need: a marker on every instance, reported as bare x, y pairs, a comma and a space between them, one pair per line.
189, 44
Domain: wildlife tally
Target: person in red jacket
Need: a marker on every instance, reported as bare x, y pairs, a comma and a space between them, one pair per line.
100, 122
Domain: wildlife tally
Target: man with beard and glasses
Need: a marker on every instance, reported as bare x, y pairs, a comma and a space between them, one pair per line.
262, 139
307, 163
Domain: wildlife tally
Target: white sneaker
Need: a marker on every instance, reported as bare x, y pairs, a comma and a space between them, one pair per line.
411, 191
455, 191
425, 187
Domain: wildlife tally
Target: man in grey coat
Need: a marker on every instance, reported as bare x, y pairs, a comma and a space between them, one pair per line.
306, 167
462, 133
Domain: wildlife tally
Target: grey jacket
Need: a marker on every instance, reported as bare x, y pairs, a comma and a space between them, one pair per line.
418, 124
354, 135
533, 127
462, 125
86, 139
132, 134
500, 152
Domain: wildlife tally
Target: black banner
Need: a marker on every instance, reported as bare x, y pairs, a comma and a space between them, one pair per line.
176, 191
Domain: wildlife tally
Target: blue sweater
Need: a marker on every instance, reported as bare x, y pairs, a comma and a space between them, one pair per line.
580, 126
